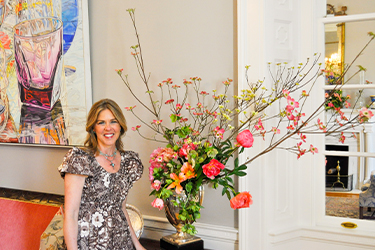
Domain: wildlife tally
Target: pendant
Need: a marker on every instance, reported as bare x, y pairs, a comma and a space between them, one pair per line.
113, 165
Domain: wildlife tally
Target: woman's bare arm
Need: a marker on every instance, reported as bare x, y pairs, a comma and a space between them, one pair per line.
135, 240
73, 192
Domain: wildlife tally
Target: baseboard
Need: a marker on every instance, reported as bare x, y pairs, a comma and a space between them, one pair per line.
214, 236
358, 240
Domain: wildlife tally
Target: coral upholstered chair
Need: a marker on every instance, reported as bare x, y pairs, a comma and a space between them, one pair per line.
367, 197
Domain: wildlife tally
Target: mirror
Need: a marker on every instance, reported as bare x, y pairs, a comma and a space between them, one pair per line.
335, 47
346, 175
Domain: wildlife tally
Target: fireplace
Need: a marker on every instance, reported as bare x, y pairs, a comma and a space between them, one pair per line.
338, 181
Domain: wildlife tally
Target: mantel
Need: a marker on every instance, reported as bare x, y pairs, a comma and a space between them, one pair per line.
350, 86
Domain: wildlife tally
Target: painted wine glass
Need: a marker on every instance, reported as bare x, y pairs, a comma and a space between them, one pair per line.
38, 56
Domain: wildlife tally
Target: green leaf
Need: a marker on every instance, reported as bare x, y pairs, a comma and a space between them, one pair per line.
242, 167
224, 190
228, 195
241, 150
241, 173
236, 163
182, 217
229, 179
174, 117
188, 187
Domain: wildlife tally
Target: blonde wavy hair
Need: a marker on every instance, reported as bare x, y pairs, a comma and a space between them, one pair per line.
91, 142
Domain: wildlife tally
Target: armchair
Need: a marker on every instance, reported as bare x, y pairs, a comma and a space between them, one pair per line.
367, 198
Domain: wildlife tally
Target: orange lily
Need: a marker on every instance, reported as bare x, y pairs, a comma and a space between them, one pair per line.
188, 170
177, 182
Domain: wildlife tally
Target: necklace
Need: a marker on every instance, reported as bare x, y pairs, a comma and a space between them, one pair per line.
109, 156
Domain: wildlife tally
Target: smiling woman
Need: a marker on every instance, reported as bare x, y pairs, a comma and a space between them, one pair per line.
97, 182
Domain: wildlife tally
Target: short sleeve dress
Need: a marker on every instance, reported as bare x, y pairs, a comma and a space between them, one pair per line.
101, 221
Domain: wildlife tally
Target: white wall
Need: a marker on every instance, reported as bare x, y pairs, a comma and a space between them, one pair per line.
179, 40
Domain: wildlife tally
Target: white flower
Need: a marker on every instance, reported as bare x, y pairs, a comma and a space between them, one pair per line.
97, 219
103, 235
106, 180
84, 229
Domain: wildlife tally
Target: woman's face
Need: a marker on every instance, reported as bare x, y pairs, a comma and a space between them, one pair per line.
107, 129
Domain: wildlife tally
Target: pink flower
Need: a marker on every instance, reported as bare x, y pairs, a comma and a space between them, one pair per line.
136, 127
158, 203
289, 115
203, 93
245, 138
313, 149
212, 168
285, 93
178, 106
187, 82
156, 185
290, 127
227, 82
365, 115
162, 155
292, 102
219, 132
130, 108
241, 200
342, 137
168, 81
157, 122
185, 149
151, 170
259, 125
347, 104
169, 101
276, 130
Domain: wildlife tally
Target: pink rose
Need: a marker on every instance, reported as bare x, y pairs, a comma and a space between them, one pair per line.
212, 168
158, 203
185, 149
245, 139
241, 200
156, 185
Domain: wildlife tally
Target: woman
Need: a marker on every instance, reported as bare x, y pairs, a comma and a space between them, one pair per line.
97, 180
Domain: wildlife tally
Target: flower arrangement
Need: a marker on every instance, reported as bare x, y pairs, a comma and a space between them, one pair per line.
337, 100
205, 130
333, 76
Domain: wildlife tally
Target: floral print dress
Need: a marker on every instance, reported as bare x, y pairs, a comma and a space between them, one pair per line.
101, 221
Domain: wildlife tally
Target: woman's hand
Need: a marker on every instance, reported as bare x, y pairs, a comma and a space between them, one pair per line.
134, 237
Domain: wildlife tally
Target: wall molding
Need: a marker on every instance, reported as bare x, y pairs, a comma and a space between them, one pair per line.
214, 236
337, 236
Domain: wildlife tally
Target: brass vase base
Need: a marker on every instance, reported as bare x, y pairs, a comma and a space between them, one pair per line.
181, 242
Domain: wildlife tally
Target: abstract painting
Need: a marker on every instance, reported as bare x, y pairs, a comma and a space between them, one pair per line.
45, 84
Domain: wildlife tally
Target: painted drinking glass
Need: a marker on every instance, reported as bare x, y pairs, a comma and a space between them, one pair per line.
38, 56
